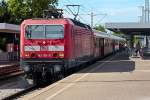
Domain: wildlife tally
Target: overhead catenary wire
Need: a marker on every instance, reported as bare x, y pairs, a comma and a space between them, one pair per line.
74, 13
104, 15
73, 6
78, 14
92, 15
83, 19
81, 6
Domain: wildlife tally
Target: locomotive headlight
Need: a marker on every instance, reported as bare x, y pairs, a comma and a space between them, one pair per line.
27, 55
26, 68
61, 55
57, 68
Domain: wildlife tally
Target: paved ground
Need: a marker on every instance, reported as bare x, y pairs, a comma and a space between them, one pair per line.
117, 78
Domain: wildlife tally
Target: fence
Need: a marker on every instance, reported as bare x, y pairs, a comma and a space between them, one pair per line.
9, 56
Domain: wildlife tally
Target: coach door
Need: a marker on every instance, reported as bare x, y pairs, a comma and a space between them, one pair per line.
101, 42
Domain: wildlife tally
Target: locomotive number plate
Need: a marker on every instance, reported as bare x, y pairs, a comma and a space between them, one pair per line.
44, 48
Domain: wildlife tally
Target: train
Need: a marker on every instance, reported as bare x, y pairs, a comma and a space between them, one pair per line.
54, 47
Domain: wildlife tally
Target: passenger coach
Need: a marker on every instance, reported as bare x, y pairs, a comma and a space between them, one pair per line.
106, 44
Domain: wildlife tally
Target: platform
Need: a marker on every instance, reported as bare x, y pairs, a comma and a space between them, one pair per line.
115, 78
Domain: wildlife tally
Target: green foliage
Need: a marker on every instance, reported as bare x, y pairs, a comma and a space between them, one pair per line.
2, 43
117, 33
15, 11
3, 7
100, 28
136, 39
4, 13
23, 9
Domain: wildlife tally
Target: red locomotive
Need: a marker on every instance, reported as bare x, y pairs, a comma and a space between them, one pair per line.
52, 47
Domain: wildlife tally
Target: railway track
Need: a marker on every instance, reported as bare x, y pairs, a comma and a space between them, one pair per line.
30, 89
10, 89
16, 95
26, 91
10, 71
14, 87
34, 88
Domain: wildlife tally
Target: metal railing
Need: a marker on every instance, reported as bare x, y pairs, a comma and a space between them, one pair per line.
9, 56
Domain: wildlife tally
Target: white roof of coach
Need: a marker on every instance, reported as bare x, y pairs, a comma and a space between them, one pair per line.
105, 35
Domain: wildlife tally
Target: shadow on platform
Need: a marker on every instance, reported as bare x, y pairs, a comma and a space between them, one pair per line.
118, 63
146, 58
116, 66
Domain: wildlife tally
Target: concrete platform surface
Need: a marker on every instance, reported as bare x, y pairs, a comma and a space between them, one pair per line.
116, 78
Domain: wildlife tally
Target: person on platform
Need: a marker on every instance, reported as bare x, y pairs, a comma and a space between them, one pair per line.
137, 48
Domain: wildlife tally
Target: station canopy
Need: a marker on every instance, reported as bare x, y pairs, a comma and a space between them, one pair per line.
9, 28
131, 28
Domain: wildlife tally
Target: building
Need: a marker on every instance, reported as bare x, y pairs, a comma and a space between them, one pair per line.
9, 41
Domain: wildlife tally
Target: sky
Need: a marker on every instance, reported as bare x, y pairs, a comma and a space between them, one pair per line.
106, 10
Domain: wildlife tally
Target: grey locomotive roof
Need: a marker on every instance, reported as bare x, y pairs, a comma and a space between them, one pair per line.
106, 35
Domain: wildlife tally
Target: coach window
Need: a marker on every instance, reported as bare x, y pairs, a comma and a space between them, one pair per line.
72, 32
97, 42
101, 42
106, 42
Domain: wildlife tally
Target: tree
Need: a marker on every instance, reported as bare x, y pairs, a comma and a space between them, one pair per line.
4, 13
3, 7
100, 28
23, 9
117, 33
2, 43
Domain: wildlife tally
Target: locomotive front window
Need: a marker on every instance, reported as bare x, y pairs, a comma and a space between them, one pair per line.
44, 32
35, 32
54, 31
